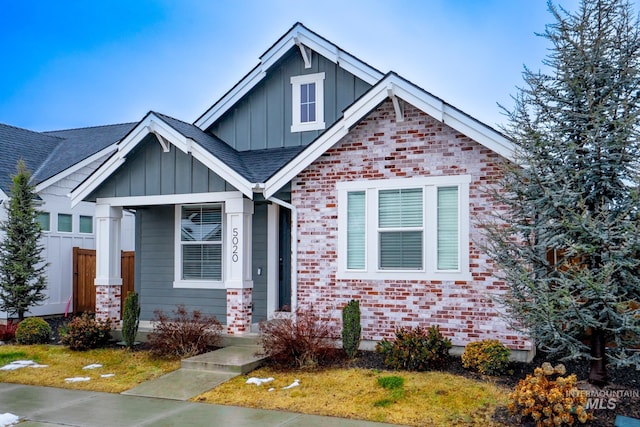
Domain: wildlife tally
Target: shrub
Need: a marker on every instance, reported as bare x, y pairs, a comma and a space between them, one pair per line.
8, 331
184, 335
33, 330
415, 349
84, 333
302, 342
351, 328
130, 319
549, 401
489, 357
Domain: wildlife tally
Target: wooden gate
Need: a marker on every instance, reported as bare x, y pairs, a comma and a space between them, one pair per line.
84, 274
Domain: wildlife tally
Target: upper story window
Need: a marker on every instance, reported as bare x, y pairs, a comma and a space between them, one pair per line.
412, 229
65, 223
199, 251
307, 106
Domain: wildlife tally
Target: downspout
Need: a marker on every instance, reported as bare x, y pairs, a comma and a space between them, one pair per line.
294, 249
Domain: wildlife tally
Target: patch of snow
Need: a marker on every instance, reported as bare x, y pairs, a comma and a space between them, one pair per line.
107, 375
77, 379
272, 389
8, 419
258, 381
93, 366
295, 383
18, 364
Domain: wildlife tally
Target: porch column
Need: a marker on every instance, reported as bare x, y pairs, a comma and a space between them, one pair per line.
238, 279
108, 280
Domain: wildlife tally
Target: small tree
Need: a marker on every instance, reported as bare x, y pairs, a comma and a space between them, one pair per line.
567, 244
130, 319
351, 328
22, 267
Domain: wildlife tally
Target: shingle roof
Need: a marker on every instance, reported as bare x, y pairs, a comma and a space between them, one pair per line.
49, 153
255, 165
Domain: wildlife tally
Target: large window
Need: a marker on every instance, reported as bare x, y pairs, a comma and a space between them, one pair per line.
200, 251
414, 228
307, 106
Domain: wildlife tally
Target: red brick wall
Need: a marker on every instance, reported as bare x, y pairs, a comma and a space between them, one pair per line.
379, 148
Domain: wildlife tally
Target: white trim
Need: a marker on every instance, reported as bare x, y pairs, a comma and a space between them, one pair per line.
395, 85
74, 168
429, 270
296, 82
178, 281
303, 36
154, 124
171, 199
294, 250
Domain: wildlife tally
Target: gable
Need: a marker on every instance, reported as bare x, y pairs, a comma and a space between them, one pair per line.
262, 119
150, 171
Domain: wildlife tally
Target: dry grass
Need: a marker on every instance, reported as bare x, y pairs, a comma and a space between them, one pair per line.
130, 368
429, 398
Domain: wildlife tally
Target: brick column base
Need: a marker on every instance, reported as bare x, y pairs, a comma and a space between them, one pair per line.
108, 302
239, 311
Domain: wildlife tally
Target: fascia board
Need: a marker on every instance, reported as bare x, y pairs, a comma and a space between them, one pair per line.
227, 101
358, 68
95, 179
223, 170
73, 169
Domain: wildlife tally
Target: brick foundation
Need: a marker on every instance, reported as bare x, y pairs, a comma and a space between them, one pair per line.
108, 299
380, 148
239, 310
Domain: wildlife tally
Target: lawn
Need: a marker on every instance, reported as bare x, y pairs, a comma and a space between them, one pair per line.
130, 368
427, 398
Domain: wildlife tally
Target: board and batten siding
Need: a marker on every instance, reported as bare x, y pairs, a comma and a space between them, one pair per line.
259, 261
262, 118
154, 270
149, 171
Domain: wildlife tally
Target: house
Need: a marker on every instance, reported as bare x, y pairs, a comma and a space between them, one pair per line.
315, 180
59, 161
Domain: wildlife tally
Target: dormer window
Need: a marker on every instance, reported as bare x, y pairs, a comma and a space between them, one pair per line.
307, 102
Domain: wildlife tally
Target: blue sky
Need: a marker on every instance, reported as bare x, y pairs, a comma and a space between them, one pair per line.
68, 64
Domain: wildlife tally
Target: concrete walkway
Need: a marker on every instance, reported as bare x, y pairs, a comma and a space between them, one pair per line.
48, 407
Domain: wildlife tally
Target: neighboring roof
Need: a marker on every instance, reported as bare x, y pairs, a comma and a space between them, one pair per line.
16, 144
298, 35
47, 154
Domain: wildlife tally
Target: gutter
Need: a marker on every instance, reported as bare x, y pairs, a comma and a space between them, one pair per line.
294, 250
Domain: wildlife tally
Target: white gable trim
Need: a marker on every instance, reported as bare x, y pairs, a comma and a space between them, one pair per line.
155, 125
391, 85
299, 35
76, 167
3, 197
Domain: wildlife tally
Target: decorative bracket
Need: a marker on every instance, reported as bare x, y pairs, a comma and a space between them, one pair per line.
305, 52
397, 105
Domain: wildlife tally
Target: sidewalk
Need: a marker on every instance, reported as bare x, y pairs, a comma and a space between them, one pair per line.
48, 407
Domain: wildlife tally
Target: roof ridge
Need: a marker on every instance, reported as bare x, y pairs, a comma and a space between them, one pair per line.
87, 127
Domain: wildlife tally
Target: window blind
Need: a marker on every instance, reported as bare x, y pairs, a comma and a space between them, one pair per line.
400, 223
356, 241
448, 220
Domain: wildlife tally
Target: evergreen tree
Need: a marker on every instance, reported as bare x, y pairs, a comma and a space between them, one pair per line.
22, 268
567, 245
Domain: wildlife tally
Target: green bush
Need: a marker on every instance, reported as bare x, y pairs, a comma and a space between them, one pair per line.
489, 357
33, 330
84, 333
351, 328
130, 319
415, 349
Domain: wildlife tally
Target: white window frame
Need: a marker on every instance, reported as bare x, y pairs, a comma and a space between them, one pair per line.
179, 282
430, 187
48, 214
296, 82
58, 223
80, 224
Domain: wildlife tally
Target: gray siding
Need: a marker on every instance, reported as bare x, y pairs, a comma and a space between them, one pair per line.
262, 118
150, 171
259, 261
155, 269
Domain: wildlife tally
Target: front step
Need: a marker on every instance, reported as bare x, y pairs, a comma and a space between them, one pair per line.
233, 359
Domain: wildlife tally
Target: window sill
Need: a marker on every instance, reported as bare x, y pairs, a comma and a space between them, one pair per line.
302, 127
197, 284
404, 275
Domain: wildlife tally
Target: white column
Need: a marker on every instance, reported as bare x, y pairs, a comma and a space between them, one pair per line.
239, 214
238, 274
108, 280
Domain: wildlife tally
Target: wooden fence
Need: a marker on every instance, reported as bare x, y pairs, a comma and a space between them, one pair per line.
84, 274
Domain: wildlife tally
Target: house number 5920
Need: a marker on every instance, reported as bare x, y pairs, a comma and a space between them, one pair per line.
234, 245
